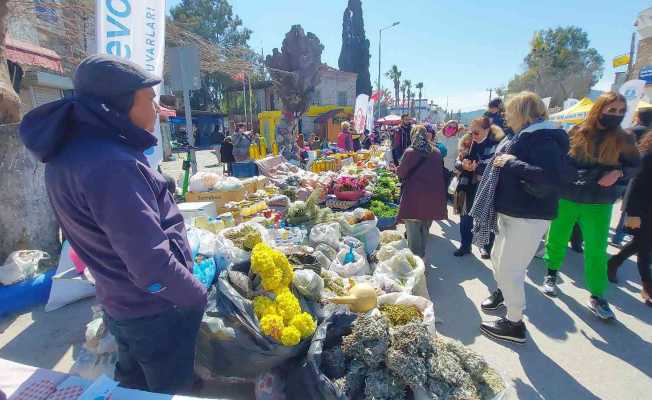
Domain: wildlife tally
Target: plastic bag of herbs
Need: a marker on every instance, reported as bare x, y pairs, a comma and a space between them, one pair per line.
231, 342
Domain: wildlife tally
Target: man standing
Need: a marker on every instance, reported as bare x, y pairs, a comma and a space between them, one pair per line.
402, 138
119, 217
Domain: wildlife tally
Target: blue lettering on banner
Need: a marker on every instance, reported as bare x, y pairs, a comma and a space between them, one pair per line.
646, 74
118, 9
150, 39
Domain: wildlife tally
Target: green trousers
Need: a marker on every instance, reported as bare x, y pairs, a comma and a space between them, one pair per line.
594, 221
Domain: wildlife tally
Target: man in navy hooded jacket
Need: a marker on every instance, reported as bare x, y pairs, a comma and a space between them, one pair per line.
119, 217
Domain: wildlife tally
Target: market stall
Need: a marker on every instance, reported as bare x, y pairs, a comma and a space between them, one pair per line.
314, 294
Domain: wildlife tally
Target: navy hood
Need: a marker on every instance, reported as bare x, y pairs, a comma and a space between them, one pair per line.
46, 129
552, 130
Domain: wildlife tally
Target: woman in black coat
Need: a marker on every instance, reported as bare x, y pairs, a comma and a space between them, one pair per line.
639, 220
226, 154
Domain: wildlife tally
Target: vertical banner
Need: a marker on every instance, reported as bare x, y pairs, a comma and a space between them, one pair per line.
370, 114
135, 30
360, 113
633, 91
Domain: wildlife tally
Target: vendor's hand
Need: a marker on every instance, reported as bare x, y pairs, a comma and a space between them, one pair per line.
502, 159
633, 222
610, 178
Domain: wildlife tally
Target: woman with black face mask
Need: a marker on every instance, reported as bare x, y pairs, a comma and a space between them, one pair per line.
602, 157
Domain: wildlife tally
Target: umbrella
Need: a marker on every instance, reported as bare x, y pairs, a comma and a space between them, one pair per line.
390, 120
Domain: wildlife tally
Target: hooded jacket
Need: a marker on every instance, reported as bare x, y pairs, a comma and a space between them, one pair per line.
529, 186
113, 207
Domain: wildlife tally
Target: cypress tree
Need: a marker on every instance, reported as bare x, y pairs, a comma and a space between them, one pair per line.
354, 56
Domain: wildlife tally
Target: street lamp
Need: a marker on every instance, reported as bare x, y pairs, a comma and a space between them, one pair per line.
380, 40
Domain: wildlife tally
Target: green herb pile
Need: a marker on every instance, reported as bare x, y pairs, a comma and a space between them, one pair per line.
382, 210
386, 189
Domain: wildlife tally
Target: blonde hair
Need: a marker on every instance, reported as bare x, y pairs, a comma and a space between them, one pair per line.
346, 125
524, 109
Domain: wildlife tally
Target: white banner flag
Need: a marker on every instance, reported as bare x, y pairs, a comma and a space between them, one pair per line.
633, 91
360, 113
135, 30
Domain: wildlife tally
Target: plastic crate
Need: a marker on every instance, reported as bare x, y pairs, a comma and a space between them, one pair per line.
244, 169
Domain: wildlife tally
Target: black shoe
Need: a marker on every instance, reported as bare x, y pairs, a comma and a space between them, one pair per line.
504, 329
461, 252
493, 302
484, 254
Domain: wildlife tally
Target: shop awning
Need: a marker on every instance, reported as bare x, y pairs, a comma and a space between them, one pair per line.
575, 114
390, 120
28, 54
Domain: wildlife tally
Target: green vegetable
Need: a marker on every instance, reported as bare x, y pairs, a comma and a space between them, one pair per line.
382, 210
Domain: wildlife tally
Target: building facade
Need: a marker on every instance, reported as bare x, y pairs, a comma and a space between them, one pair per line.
642, 67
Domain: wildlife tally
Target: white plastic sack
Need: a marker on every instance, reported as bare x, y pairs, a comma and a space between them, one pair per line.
227, 184
203, 181
366, 231
398, 274
389, 250
308, 283
356, 268
328, 233
240, 255
91, 366
21, 265
68, 286
424, 305
390, 236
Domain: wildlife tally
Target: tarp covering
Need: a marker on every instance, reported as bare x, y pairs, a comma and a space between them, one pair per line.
574, 115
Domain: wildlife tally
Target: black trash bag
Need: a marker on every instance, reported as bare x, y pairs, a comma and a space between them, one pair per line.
241, 349
305, 378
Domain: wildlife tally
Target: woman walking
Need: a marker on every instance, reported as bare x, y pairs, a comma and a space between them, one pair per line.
516, 199
423, 197
226, 155
486, 138
639, 220
601, 154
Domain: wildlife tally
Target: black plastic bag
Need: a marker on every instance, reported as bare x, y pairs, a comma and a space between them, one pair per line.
244, 351
305, 378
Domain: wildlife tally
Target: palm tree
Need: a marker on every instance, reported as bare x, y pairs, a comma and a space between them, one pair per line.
420, 87
403, 89
500, 92
408, 86
395, 75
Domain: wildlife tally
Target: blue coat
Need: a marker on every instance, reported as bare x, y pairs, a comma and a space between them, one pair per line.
529, 186
113, 207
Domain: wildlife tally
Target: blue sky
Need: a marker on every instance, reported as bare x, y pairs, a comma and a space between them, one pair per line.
457, 48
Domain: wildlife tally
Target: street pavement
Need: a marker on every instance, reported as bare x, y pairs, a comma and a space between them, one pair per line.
570, 354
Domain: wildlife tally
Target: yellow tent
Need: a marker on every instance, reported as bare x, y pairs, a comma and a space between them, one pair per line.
642, 104
574, 115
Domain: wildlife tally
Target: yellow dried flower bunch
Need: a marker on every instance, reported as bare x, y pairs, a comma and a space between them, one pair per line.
272, 266
280, 318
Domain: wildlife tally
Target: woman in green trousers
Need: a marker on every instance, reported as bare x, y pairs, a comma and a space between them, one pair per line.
602, 158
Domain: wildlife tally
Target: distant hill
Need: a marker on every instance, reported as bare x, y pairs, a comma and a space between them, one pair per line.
469, 116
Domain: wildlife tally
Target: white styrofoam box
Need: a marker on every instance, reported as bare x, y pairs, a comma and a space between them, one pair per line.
196, 209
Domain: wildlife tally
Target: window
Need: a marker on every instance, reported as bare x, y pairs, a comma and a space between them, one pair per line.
342, 99
316, 98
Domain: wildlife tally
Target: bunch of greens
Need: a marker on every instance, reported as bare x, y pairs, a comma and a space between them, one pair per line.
386, 189
382, 210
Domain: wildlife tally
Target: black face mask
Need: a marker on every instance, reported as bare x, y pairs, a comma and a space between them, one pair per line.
611, 121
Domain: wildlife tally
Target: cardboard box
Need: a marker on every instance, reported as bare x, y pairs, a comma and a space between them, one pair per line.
219, 198
250, 185
195, 209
